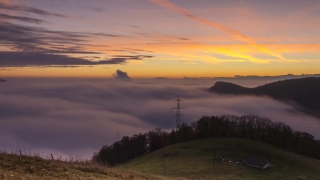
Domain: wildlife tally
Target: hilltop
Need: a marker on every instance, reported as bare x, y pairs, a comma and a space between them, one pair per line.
303, 91
2, 80
34, 168
195, 159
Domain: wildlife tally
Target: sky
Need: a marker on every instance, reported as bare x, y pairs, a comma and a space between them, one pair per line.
158, 38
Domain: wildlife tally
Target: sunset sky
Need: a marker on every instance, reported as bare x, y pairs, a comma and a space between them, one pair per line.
158, 38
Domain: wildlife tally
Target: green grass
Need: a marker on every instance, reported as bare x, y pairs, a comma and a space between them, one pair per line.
190, 160
16, 167
195, 160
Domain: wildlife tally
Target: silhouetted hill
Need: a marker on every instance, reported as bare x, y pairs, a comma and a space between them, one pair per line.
2, 80
229, 88
304, 91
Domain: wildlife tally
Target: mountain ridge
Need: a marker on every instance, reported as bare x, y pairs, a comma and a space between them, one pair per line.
303, 91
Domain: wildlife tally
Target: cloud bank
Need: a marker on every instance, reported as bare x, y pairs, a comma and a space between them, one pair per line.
78, 116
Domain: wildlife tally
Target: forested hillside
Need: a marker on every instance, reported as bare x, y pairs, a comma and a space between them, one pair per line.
249, 127
303, 91
199, 159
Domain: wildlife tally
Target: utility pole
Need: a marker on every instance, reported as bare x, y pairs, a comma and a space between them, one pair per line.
178, 114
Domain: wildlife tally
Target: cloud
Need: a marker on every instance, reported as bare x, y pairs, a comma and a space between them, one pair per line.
23, 8
31, 39
121, 75
21, 18
102, 35
137, 57
21, 59
238, 35
36, 46
77, 117
96, 9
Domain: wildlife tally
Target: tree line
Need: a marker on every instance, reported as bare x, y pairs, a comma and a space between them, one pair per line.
248, 126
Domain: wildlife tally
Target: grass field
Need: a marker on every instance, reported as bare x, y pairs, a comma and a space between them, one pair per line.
195, 159
190, 160
16, 167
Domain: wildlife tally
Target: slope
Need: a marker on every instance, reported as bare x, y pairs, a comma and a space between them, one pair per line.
195, 159
34, 168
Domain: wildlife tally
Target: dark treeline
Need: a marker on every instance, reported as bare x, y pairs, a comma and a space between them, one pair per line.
248, 126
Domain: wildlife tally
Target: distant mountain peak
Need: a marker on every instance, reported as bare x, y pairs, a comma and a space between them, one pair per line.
222, 87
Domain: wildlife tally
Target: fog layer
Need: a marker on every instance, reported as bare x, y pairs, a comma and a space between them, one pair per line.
76, 117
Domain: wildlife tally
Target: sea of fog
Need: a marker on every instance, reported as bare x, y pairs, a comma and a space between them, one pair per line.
76, 117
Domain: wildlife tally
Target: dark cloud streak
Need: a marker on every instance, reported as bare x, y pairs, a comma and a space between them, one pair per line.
138, 57
23, 8
21, 18
30, 39
20, 59
39, 43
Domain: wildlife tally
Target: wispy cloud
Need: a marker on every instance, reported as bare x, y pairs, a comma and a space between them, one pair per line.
137, 57
238, 35
37, 39
95, 9
37, 46
31, 39
23, 8
21, 18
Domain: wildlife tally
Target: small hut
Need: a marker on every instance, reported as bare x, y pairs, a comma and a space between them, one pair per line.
257, 162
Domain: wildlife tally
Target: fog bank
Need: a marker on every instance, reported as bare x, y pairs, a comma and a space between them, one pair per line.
78, 116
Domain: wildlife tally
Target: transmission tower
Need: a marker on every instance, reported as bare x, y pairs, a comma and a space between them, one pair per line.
178, 114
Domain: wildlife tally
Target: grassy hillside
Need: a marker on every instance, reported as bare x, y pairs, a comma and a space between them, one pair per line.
14, 167
194, 159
